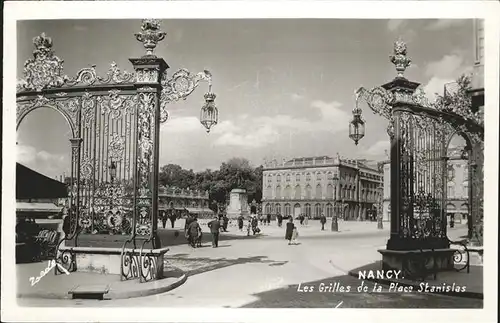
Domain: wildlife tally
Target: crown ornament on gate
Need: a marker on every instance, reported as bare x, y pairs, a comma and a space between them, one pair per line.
399, 59
44, 70
150, 35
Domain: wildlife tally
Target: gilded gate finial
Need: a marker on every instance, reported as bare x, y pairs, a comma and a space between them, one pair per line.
150, 35
399, 59
44, 70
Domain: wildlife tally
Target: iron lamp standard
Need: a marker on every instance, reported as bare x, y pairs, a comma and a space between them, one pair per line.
335, 222
380, 223
112, 175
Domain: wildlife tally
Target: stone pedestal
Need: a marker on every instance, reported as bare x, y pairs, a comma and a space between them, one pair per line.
238, 203
149, 262
411, 262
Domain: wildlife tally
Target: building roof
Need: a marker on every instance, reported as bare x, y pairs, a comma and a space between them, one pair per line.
33, 185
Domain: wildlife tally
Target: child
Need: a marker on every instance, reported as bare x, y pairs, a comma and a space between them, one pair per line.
295, 234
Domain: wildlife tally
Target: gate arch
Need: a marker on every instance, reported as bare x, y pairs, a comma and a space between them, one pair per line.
24, 110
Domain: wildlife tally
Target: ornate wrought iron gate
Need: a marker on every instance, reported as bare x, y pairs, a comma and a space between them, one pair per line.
420, 133
114, 122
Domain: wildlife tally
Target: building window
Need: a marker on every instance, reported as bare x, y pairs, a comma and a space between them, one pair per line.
308, 192
330, 175
451, 190
329, 191
308, 177
308, 209
451, 172
288, 210
269, 192
317, 210
319, 191
278, 208
278, 192
287, 177
298, 192
318, 176
466, 188
278, 178
268, 208
288, 192
329, 210
297, 177
270, 178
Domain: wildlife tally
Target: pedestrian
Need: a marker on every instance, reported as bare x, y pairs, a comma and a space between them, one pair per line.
301, 219
214, 226
280, 219
289, 230
225, 222
295, 235
189, 220
323, 221
268, 219
193, 232
306, 220
255, 225
172, 219
163, 219
249, 226
240, 222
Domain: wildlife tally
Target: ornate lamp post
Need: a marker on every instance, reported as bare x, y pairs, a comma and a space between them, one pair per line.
380, 223
335, 222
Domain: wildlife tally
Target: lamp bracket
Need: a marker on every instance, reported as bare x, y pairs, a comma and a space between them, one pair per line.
180, 86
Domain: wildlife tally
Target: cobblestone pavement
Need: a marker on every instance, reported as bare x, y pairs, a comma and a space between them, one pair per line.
265, 272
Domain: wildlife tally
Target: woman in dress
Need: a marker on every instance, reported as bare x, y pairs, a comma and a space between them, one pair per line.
289, 230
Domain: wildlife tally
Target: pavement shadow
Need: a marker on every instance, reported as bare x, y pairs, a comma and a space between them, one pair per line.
194, 266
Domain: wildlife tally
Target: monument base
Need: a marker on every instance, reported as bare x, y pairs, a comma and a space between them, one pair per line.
149, 263
416, 263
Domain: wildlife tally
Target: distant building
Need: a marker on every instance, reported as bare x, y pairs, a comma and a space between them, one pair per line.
477, 82
184, 201
307, 186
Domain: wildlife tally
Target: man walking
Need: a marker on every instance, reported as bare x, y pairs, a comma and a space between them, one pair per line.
280, 219
173, 217
240, 222
214, 226
268, 219
323, 221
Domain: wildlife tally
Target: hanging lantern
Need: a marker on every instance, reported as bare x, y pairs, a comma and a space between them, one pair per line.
209, 114
356, 126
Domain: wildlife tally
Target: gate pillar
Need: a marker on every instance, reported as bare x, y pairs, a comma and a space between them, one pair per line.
149, 70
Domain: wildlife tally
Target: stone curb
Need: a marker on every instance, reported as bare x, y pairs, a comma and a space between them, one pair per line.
145, 292
113, 294
473, 295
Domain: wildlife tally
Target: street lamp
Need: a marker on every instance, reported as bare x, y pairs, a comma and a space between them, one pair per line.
209, 114
335, 223
357, 125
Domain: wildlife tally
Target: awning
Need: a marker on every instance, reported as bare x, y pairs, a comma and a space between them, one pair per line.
33, 185
37, 207
198, 211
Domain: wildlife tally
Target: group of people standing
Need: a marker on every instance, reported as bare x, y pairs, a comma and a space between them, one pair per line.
194, 233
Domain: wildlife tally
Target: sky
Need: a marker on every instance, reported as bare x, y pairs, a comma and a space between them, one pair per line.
285, 87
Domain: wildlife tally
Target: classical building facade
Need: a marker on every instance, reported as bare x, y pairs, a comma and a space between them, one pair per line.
457, 187
320, 185
184, 201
